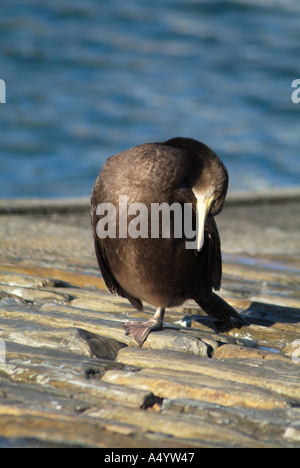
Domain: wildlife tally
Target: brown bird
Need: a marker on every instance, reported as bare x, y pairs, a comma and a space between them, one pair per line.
139, 258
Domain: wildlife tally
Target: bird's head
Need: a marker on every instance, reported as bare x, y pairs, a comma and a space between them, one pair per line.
209, 183
207, 178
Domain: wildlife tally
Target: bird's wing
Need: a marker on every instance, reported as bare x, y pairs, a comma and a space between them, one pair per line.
112, 284
110, 281
208, 266
214, 257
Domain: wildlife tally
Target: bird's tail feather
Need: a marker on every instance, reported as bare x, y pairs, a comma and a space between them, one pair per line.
217, 307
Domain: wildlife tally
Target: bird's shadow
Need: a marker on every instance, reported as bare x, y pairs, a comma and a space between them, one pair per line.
258, 313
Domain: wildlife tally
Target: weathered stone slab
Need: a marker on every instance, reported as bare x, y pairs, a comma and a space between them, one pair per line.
73, 340
189, 427
283, 382
46, 316
265, 425
271, 336
172, 384
229, 351
73, 376
77, 431
264, 275
26, 281
100, 346
37, 318
52, 277
36, 295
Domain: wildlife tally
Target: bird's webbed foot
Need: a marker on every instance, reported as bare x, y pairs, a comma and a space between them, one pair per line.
141, 330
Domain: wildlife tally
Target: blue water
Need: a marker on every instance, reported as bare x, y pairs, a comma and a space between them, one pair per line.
86, 79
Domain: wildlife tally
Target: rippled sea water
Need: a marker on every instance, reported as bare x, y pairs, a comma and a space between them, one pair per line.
86, 79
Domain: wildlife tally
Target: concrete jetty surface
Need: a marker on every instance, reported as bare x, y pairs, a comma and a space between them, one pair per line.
69, 377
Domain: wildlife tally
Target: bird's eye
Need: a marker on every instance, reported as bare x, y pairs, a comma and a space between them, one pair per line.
217, 204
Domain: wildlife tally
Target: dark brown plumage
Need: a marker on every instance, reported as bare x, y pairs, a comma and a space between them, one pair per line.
162, 271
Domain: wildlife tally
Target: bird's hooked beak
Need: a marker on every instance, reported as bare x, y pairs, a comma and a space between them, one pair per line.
204, 203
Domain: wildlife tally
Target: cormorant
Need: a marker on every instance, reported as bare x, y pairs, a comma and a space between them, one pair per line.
139, 257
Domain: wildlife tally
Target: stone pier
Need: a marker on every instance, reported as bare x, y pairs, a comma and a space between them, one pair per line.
69, 377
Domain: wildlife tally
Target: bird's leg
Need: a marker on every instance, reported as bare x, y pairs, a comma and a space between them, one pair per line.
141, 330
